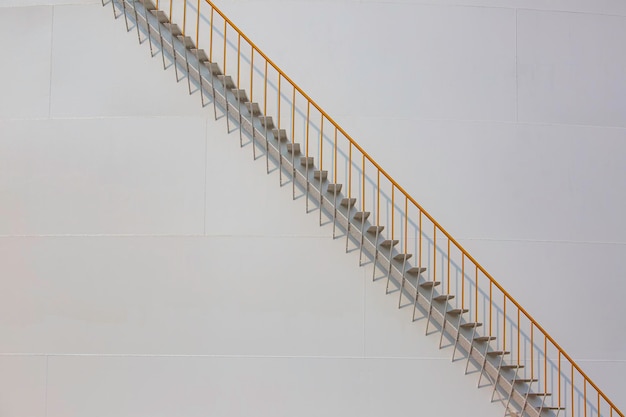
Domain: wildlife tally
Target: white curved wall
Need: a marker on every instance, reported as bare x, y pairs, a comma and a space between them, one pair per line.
144, 271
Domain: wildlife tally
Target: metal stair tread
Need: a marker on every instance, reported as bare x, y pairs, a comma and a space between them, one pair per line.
348, 202
403, 257
267, 122
279, 134
213, 67
524, 380
334, 188
320, 174
148, 4
361, 215
293, 148
306, 161
470, 325
173, 28
416, 270
389, 243
457, 311
375, 229
509, 366
253, 108
227, 81
482, 339
240, 94
186, 41
200, 55
443, 297
430, 284
498, 352
160, 15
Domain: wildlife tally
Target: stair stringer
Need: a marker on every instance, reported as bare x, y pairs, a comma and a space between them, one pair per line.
207, 81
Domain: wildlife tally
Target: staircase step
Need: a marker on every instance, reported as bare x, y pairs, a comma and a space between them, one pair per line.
213, 67
253, 108
348, 202
160, 15
416, 270
444, 297
280, 134
200, 55
430, 284
306, 161
482, 339
361, 215
508, 366
148, 4
403, 257
317, 174
389, 243
538, 394
498, 353
471, 325
457, 311
524, 380
227, 81
293, 148
267, 122
186, 41
240, 94
173, 28
375, 229
334, 188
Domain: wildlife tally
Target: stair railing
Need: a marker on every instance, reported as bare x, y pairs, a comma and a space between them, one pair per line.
537, 358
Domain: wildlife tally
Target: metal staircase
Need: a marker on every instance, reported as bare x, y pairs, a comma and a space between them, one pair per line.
475, 318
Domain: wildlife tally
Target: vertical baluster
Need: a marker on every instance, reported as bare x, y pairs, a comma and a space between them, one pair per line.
267, 145
198, 25
432, 289
280, 156
349, 193
252, 101
335, 181
393, 229
224, 79
532, 350
572, 387
419, 264
544, 382
476, 293
559, 376
198, 53
405, 250
585, 396
306, 154
458, 326
321, 164
238, 89
377, 224
293, 141
362, 207
490, 308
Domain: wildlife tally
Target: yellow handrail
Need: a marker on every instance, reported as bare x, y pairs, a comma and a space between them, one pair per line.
534, 325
